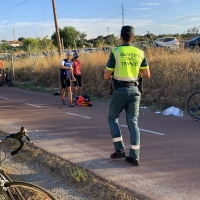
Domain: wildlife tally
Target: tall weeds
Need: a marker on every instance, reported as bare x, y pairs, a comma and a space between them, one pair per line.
173, 75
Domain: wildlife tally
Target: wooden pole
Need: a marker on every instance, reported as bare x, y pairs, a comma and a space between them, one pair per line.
57, 28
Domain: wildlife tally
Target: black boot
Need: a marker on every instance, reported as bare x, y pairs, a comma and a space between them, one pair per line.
118, 154
133, 161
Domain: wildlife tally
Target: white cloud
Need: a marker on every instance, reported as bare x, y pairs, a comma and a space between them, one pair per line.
151, 4
192, 17
140, 8
92, 27
3, 22
168, 25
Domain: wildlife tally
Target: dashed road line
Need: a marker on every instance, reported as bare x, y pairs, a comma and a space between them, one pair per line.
33, 105
78, 115
144, 130
4, 98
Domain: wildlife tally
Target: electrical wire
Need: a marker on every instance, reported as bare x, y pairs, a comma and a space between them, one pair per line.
13, 7
44, 18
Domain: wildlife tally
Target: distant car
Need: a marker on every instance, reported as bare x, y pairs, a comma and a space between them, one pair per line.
144, 45
3, 56
166, 46
168, 41
192, 43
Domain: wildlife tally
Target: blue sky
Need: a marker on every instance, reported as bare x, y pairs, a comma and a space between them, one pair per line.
31, 19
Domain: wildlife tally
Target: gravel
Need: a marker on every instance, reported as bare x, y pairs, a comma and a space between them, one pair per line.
42, 175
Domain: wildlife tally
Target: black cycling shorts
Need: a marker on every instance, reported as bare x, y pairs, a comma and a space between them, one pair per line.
78, 81
65, 81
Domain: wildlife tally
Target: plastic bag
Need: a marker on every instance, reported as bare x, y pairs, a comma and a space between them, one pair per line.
173, 111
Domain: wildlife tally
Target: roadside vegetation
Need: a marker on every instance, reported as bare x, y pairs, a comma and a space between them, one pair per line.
175, 74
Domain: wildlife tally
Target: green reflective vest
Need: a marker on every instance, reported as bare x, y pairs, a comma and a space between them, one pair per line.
128, 61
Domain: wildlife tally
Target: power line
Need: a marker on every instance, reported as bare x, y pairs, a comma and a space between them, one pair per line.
44, 18
13, 7
13, 34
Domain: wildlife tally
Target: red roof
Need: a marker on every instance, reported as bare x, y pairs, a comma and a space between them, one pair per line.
15, 42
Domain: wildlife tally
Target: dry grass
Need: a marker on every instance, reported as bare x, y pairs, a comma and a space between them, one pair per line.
174, 75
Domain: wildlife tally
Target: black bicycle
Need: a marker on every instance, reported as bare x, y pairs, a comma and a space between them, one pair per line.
193, 105
10, 190
5, 77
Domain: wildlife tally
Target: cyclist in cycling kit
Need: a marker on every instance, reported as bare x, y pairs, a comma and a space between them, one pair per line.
66, 76
77, 75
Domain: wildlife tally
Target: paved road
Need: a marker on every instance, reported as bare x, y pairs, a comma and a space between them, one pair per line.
170, 158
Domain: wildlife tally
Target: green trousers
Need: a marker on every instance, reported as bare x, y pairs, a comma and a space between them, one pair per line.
127, 98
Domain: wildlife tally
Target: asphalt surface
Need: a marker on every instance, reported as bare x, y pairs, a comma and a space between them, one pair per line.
170, 146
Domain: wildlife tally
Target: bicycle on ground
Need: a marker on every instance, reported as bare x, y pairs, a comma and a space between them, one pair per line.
193, 105
10, 190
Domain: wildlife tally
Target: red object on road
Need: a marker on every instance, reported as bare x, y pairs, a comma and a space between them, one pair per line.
80, 100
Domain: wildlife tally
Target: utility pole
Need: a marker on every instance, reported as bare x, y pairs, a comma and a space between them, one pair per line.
13, 34
108, 30
122, 13
57, 28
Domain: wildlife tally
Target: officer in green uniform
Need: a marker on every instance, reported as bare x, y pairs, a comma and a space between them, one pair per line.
126, 65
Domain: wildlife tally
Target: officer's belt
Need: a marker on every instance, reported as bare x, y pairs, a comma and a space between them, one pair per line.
119, 84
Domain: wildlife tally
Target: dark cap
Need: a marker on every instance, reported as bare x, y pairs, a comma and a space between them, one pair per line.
127, 29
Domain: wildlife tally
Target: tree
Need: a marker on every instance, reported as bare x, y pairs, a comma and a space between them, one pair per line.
37, 44
100, 41
193, 31
5, 46
70, 35
21, 39
32, 43
46, 44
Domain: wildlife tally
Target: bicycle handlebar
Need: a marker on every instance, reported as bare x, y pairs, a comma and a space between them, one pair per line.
18, 136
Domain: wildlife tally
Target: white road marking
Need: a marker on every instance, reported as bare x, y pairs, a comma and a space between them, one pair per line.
33, 105
78, 115
148, 131
4, 98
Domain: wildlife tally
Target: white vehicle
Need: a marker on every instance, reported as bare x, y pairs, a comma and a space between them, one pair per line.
168, 41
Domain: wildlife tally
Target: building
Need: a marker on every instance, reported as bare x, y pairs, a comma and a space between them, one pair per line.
15, 43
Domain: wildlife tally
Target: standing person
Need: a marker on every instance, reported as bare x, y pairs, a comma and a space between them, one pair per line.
127, 63
77, 75
66, 74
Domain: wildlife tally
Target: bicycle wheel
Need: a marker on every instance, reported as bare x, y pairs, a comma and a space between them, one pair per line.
193, 105
2, 173
28, 191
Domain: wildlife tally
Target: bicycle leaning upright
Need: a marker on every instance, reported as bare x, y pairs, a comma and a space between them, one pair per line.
193, 105
10, 190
